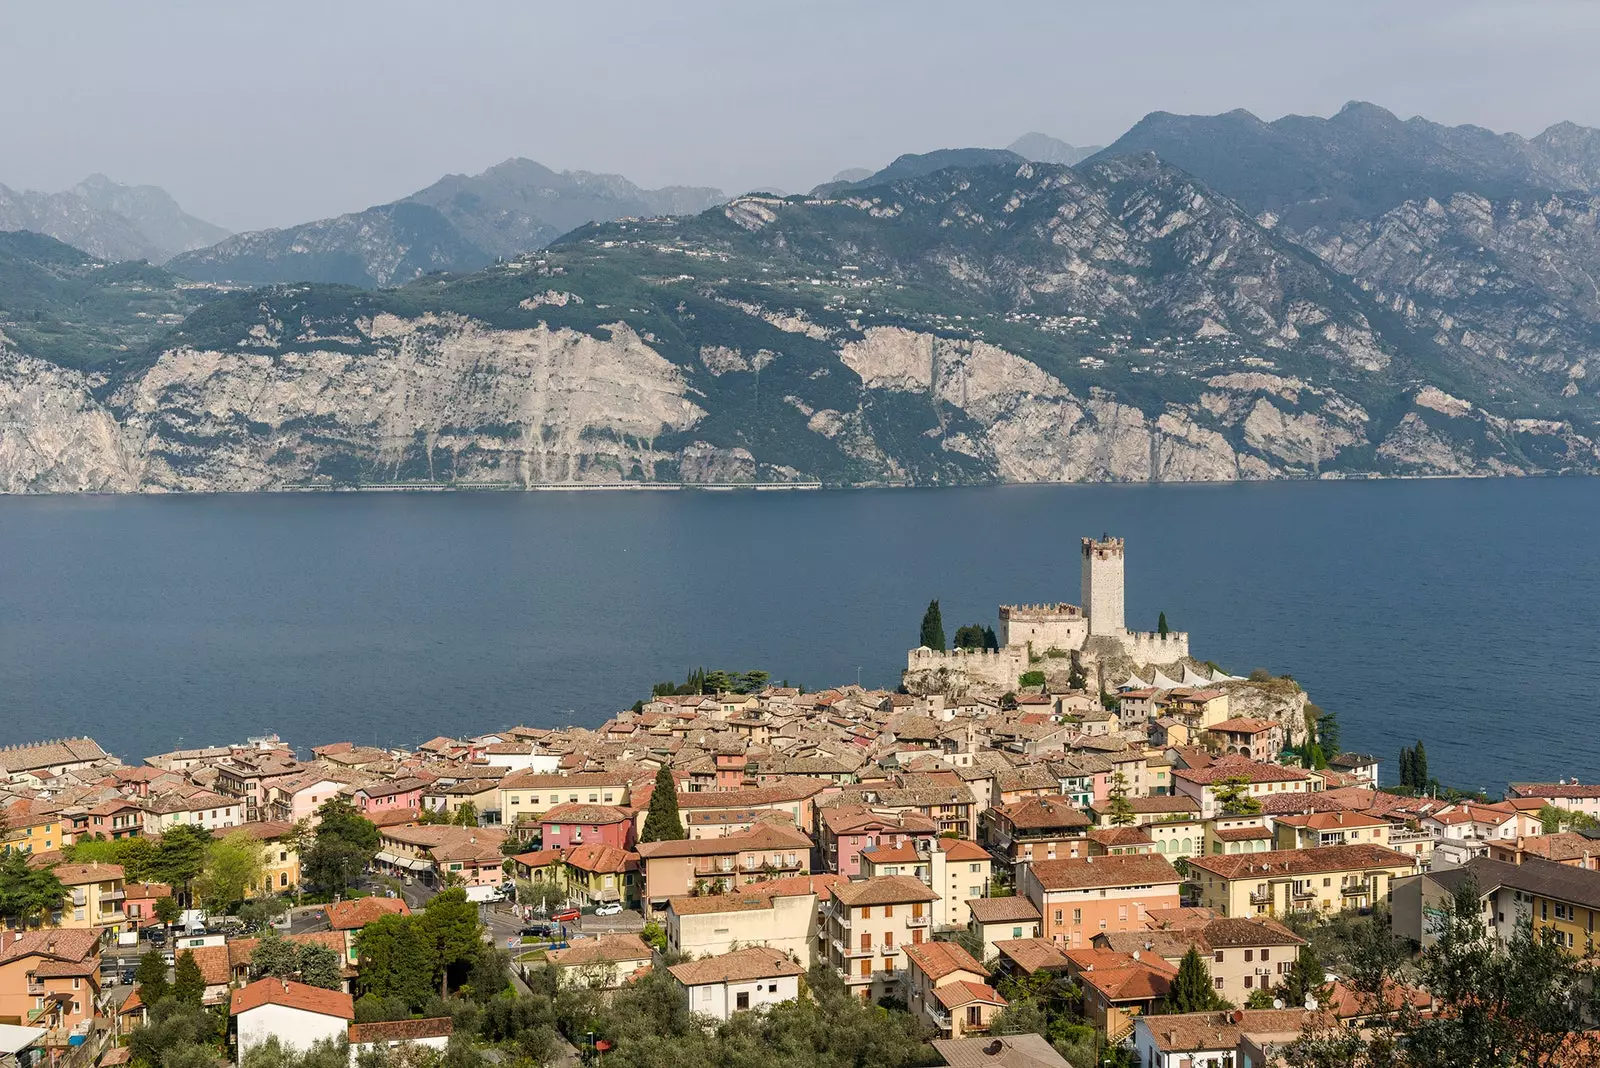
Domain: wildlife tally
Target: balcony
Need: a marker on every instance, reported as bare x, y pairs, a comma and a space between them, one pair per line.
114, 895
858, 950
1355, 890
36, 990
917, 921
1261, 897
1303, 895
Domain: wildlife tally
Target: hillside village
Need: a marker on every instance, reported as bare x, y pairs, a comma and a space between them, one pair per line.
1099, 821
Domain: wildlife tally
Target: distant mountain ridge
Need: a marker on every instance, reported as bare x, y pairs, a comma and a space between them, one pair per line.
109, 220
460, 223
922, 164
1042, 148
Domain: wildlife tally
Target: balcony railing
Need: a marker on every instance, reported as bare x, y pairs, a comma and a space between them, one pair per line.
858, 950
917, 921
36, 989
1355, 889
1261, 897
1302, 895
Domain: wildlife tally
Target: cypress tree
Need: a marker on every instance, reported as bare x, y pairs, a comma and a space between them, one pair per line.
188, 984
1191, 988
1304, 979
1161, 625
933, 627
989, 639
151, 978
661, 823
1405, 766
1419, 766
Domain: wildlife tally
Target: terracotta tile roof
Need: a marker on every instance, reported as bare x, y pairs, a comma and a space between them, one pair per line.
1243, 725
242, 950
795, 885
83, 874
1302, 861
883, 890
401, 1030
1009, 1051
1192, 1032
24, 758
1252, 771
1035, 813
538, 858
578, 812
1164, 804
966, 992
939, 959
905, 853
1121, 837
1240, 834
213, 962
1002, 909
1137, 980
1332, 821
962, 849
1083, 873
602, 858
67, 945
606, 949
1033, 954
61, 969
756, 962
354, 915
711, 904
291, 995
760, 836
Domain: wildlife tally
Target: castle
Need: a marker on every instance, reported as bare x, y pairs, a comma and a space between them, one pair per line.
1093, 632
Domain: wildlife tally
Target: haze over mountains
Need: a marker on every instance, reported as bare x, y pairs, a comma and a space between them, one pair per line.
1208, 298
109, 220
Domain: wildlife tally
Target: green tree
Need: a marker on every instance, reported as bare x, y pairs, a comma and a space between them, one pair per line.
1031, 678
989, 640
168, 910
1191, 989
28, 896
150, 978
346, 841
181, 856
397, 959
275, 956
319, 966
1304, 978
1234, 798
451, 921
1419, 766
188, 982
232, 868
1161, 625
1407, 768
969, 637
1076, 679
1327, 728
1313, 757
932, 628
467, 814
661, 822
1122, 814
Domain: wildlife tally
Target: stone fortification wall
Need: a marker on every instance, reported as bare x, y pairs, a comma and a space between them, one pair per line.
1000, 667
1043, 626
1149, 647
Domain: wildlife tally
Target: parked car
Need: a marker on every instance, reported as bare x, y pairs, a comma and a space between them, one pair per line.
156, 936
537, 930
126, 979
566, 916
610, 909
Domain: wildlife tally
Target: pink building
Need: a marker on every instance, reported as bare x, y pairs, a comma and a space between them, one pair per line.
397, 795
846, 830
581, 824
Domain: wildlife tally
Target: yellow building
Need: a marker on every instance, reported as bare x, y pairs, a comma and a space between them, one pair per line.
1317, 830
1538, 892
95, 896
32, 827
1281, 881
280, 860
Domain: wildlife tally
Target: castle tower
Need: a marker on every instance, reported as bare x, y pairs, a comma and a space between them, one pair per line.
1102, 585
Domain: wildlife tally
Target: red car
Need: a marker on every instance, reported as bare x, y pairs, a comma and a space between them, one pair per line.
566, 916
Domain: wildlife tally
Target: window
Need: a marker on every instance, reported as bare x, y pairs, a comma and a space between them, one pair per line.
772, 988
1219, 956
705, 994
593, 798
916, 936
1122, 916
866, 940
1016, 932
975, 868
888, 911
1058, 915
866, 967
1249, 981
1217, 982
1327, 882
555, 828
888, 940
741, 1000
1266, 954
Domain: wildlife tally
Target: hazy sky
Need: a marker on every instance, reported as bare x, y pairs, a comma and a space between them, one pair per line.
262, 114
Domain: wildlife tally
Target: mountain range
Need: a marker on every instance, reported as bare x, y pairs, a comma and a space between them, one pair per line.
1208, 298
109, 220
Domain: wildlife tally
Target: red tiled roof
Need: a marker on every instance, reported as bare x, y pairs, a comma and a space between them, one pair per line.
1083, 873
939, 959
401, 1030
354, 915
966, 992
292, 995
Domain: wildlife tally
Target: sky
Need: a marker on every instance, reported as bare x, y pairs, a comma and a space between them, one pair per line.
256, 115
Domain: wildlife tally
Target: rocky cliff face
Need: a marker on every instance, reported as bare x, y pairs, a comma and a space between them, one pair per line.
1017, 322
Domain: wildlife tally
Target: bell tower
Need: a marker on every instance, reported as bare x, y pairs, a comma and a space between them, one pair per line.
1102, 585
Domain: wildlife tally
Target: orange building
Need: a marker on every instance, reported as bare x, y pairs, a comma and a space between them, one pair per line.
1080, 898
50, 979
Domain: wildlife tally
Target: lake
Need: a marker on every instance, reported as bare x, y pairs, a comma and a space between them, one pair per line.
1458, 612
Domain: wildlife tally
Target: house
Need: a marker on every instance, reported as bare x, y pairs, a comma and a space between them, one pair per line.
525, 795
433, 1033
139, 903
570, 824
1029, 956
50, 979
1358, 766
602, 963
215, 969
32, 764
844, 830
347, 918
1078, 899
958, 870
1256, 779
1541, 893
997, 918
1316, 829
950, 990
202, 808
389, 795
1042, 828
1009, 1051
117, 818
1244, 955
752, 978
97, 893
1172, 821
1228, 835
32, 826
241, 951
1253, 739
470, 854
1563, 847
1568, 794
1281, 881
869, 921
297, 1015
1119, 987
679, 868
280, 860
601, 874
1208, 1039
783, 914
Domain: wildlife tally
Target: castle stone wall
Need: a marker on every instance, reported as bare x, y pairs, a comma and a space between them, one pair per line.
1102, 585
1149, 647
1002, 667
1060, 626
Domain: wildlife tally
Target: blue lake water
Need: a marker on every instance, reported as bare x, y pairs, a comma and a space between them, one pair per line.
1459, 612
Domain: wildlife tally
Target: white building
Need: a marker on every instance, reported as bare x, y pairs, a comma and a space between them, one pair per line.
750, 978
297, 1015
433, 1033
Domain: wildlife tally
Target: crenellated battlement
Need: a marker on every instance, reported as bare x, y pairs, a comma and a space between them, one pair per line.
1041, 612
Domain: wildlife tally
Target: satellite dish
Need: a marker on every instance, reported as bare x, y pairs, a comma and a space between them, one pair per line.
1277, 1003
1311, 1002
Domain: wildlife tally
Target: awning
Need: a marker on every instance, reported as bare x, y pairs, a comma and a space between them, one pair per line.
396, 861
